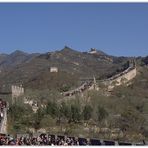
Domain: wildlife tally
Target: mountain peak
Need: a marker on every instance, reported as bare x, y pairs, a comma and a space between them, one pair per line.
18, 52
68, 49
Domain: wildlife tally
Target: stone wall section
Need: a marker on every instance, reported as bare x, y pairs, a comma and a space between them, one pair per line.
122, 78
16, 91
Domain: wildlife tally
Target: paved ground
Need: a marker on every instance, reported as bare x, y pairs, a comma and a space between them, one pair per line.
3, 125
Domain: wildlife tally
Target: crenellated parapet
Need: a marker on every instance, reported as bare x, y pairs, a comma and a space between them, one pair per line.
16, 91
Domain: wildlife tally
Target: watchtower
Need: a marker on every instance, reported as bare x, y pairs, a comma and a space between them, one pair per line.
16, 91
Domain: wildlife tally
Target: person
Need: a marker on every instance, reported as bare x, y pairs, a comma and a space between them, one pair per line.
2, 115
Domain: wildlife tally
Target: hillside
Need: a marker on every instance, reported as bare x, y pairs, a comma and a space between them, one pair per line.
122, 115
33, 69
15, 58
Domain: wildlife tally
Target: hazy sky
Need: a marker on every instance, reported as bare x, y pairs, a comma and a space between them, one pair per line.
118, 29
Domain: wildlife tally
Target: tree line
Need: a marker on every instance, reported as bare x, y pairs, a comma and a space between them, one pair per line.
22, 116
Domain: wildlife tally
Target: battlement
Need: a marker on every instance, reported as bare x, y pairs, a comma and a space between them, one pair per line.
92, 51
53, 69
17, 90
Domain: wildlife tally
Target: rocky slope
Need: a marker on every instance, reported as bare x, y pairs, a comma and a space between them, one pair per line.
33, 70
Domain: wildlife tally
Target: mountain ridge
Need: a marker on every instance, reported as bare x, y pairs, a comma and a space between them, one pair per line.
33, 70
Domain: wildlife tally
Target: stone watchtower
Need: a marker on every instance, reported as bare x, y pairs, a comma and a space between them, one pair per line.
92, 51
16, 91
53, 69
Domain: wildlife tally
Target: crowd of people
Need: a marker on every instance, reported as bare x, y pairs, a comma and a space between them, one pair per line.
47, 139
42, 139
53, 140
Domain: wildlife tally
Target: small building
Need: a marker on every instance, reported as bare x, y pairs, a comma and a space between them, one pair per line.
53, 69
17, 90
92, 51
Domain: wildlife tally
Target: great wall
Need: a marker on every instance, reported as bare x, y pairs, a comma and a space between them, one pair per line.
16, 91
121, 78
89, 84
116, 80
